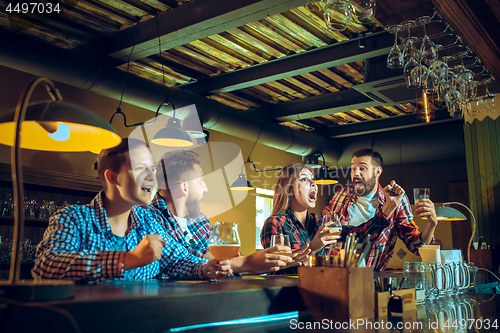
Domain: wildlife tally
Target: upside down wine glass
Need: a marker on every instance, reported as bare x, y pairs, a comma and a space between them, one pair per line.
395, 57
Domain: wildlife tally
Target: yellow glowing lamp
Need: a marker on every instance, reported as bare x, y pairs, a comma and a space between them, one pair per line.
59, 126
172, 135
241, 184
324, 178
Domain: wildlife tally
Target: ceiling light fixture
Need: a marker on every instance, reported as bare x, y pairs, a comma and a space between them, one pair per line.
51, 126
172, 135
241, 183
324, 176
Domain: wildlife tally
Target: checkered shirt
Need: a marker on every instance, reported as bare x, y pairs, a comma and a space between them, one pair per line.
384, 232
76, 246
199, 227
288, 224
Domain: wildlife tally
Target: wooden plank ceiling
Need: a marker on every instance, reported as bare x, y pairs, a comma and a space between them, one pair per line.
219, 65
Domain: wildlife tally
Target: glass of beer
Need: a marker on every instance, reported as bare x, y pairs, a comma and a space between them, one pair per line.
334, 229
284, 240
224, 242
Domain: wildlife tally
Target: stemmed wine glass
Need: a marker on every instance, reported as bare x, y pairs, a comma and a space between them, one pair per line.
428, 50
488, 102
395, 57
315, 5
473, 103
224, 243
337, 14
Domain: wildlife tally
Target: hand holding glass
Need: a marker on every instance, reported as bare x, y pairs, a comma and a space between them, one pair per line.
224, 242
283, 240
335, 228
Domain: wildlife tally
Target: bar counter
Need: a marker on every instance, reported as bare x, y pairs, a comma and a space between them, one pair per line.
164, 305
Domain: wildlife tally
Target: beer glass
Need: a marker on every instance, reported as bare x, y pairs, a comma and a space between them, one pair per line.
421, 193
334, 229
224, 242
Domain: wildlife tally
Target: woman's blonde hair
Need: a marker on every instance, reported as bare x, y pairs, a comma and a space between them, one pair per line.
283, 189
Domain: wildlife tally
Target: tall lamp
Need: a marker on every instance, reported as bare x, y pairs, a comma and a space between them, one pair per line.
51, 126
445, 213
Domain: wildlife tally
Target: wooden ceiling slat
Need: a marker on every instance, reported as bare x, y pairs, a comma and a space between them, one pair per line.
124, 7
273, 35
312, 20
286, 90
175, 76
378, 112
335, 77
92, 7
236, 49
296, 31
238, 99
257, 94
362, 114
273, 92
255, 42
148, 73
350, 72
311, 77
180, 58
222, 98
298, 86
305, 85
196, 55
222, 56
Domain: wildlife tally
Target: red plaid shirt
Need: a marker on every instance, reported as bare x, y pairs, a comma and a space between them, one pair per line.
383, 232
199, 227
288, 224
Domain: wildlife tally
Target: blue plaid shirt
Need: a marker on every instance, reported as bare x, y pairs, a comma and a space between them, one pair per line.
78, 241
199, 228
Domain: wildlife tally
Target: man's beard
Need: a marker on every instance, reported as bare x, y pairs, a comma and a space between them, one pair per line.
368, 188
193, 206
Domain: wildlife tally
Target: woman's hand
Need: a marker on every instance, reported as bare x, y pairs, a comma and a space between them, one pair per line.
323, 237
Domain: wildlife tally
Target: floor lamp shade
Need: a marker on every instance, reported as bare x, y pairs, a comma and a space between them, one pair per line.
449, 214
59, 126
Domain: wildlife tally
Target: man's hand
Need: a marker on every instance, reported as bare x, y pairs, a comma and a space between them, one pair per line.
263, 261
393, 197
215, 269
323, 237
424, 208
148, 250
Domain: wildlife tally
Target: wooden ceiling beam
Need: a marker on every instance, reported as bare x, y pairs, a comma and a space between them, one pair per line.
374, 45
477, 23
187, 23
383, 125
321, 105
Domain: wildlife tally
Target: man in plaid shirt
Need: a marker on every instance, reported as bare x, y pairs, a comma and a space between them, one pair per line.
382, 212
113, 238
181, 188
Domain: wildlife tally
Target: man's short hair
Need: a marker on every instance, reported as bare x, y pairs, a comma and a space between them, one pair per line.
176, 167
376, 157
